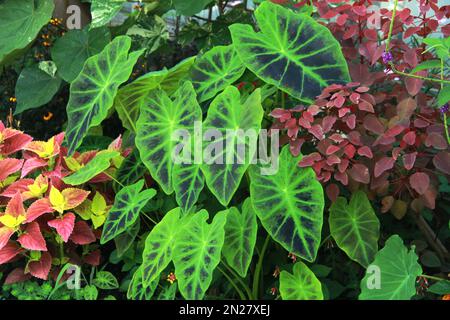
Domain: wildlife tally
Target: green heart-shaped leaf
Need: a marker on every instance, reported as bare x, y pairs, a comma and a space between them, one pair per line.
197, 253
293, 51
71, 51
103, 11
225, 167
159, 245
290, 205
131, 170
35, 88
20, 22
240, 237
133, 96
92, 92
137, 290
392, 275
301, 285
160, 120
355, 227
215, 70
127, 205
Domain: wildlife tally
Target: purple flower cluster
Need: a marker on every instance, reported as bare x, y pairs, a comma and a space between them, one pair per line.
387, 57
445, 108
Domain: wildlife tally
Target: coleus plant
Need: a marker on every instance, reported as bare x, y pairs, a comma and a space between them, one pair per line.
45, 199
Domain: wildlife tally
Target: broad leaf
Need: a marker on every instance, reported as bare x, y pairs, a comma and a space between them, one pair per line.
137, 290
131, 170
240, 237
301, 285
159, 246
105, 280
215, 70
392, 275
92, 92
290, 205
35, 88
97, 165
103, 11
159, 121
292, 51
355, 227
190, 7
225, 166
127, 205
197, 253
188, 183
124, 241
20, 22
133, 96
168, 292
71, 51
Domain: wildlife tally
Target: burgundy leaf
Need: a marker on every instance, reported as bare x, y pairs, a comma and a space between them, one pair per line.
420, 182
382, 165
360, 173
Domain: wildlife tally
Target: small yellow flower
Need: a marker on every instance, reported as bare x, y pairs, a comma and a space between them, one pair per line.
171, 278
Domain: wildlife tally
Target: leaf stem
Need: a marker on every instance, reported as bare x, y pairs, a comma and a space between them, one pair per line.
230, 280
433, 278
258, 269
238, 278
391, 26
114, 179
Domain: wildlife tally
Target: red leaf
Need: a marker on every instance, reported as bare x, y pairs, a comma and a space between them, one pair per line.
74, 197
442, 162
16, 276
316, 131
327, 123
410, 138
9, 166
365, 151
333, 159
342, 177
343, 111
9, 251
405, 109
360, 173
420, 182
413, 86
371, 123
436, 140
304, 123
82, 234
350, 151
409, 159
93, 258
308, 160
32, 164
332, 149
15, 206
351, 121
339, 101
40, 269
38, 208
382, 165
5, 235
18, 186
394, 131
341, 19
15, 142
365, 106
32, 238
64, 226
332, 191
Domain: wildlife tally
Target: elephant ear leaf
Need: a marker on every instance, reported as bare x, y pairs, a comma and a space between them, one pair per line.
20, 22
103, 11
138, 289
133, 96
159, 246
160, 122
240, 237
127, 205
355, 227
392, 275
215, 70
92, 92
301, 285
224, 164
292, 52
97, 165
290, 205
197, 253
131, 169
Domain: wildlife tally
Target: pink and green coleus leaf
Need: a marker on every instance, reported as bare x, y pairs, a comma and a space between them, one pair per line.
67, 199
38, 208
41, 268
5, 235
9, 252
9, 166
32, 238
64, 225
